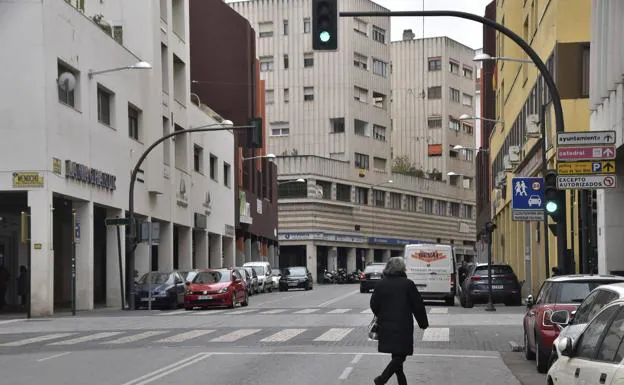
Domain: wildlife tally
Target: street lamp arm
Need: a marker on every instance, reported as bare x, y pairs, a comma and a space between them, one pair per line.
513, 59
548, 79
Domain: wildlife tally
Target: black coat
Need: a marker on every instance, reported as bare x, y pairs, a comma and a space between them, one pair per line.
394, 301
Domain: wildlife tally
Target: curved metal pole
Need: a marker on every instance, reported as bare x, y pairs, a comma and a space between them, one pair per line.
131, 243
550, 82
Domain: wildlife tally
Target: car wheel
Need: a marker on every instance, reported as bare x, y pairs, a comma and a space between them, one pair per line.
553, 357
528, 354
541, 359
233, 302
246, 301
449, 301
174, 302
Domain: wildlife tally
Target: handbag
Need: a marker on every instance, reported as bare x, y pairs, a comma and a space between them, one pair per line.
373, 329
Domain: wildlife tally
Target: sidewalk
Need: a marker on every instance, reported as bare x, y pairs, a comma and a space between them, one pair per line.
524, 370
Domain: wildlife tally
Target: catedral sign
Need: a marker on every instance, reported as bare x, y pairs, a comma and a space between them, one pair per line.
92, 176
428, 256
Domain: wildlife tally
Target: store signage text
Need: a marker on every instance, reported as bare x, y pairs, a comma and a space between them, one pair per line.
86, 174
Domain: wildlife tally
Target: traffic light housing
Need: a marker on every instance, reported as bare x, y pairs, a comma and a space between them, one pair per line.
325, 25
553, 202
255, 135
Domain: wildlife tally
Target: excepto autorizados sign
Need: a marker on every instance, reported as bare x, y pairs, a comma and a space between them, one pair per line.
586, 181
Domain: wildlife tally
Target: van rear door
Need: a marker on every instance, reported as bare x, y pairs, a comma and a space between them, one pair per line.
430, 267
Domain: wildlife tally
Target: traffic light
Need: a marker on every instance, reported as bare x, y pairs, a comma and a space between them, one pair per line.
553, 203
255, 135
325, 25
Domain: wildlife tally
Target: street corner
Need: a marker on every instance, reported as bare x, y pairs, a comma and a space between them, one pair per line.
523, 369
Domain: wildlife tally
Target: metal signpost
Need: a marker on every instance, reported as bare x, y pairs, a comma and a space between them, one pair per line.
527, 203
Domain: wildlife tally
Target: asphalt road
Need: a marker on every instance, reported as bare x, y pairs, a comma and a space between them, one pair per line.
315, 337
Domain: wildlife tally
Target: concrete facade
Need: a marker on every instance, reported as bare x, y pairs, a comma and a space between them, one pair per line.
82, 144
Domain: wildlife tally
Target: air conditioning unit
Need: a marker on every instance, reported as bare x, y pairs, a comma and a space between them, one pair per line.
507, 163
533, 126
514, 154
501, 178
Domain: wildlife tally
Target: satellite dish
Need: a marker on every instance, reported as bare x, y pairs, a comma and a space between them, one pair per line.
67, 81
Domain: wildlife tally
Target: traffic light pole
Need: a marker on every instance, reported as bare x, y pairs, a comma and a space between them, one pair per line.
542, 119
131, 241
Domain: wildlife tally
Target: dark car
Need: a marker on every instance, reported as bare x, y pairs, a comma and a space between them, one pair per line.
167, 290
370, 276
296, 277
505, 286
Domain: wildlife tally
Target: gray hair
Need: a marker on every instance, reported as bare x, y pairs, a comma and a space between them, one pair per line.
395, 266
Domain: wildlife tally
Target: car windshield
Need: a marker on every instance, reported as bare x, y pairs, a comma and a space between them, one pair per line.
208, 277
276, 272
250, 271
155, 278
258, 269
496, 270
575, 291
295, 271
374, 269
190, 276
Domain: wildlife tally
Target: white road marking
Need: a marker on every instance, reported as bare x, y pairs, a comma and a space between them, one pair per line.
245, 311
436, 334
33, 340
9, 321
185, 336
274, 311
367, 311
235, 335
283, 335
135, 337
439, 310
221, 353
175, 312
327, 303
306, 311
167, 370
208, 312
90, 337
53, 357
356, 359
334, 334
345, 373
338, 311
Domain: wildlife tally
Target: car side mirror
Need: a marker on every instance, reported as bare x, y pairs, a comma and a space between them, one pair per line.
187, 283
529, 301
565, 346
560, 317
572, 314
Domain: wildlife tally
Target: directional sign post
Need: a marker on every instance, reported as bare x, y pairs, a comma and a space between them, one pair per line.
585, 182
585, 153
585, 138
527, 203
571, 168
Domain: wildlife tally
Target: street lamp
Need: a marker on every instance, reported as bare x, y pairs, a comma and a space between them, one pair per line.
470, 117
481, 57
489, 229
300, 180
268, 156
142, 65
458, 147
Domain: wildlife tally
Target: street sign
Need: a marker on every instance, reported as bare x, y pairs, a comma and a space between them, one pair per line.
527, 203
585, 138
117, 221
145, 233
573, 168
585, 153
589, 182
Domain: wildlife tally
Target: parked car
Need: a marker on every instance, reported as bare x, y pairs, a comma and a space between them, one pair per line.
564, 292
216, 287
295, 277
595, 356
578, 319
255, 287
276, 274
167, 290
505, 286
263, 269
188, 276
370, 276
247, 278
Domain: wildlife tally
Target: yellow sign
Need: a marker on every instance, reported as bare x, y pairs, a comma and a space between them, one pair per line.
575, 168
27, 180
57, 168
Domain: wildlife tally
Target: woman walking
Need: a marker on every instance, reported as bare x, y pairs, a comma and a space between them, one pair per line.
394, 302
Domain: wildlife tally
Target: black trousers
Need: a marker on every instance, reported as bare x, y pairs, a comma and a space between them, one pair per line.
394, 367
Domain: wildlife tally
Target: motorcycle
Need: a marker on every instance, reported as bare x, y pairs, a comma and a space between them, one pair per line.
342, 276
329, 277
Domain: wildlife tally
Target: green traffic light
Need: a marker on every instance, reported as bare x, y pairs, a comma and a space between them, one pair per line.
325, 36
551, 207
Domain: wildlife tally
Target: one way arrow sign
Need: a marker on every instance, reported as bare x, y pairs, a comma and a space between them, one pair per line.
608, 167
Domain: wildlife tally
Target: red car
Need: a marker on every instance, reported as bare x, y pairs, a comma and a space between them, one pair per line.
564, 292
216, 287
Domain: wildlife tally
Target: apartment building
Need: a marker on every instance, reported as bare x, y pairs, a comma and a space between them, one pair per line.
432, 87
100, 82
559, 31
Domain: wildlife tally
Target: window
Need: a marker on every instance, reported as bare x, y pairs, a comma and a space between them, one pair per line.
588, 341
164, 61
361, 195
435, 64
198, 159
167, 143
361, 161
379, 198
286, 62
428, 205
360, 127
133, 121
466, 212
441, 208
307, 25
163, 10
395, 201
337, 125
343, 192
179, 80
434, 92
308, 94
454, 95
360, 61
266, 64
286, 95
280, 129
65, 95
360, 26
380, 68
269, 96
265, 29
360, 94
467, 154
466, 128
308, 59
610, 350
467, 100
379, 164
379, 35
104, 107
379, 132
379, 100
434, 149
213, 167
525, 36
411, 203
435, 122
455, 209
453, 153
585, 71
454, 124
118, 33
468, 72
454, 67
226, 174
285, 27
178, 14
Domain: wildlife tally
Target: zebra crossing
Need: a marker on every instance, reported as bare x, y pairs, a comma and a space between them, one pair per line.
244, 336
284, 311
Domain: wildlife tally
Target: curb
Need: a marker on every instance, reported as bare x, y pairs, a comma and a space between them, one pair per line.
515, 347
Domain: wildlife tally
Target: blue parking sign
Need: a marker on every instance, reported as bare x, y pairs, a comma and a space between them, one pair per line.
528, 194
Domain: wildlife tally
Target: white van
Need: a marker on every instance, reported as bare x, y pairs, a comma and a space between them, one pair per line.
263, 270
432, 268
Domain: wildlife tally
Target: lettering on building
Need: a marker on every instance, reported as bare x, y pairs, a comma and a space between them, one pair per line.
82, 173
